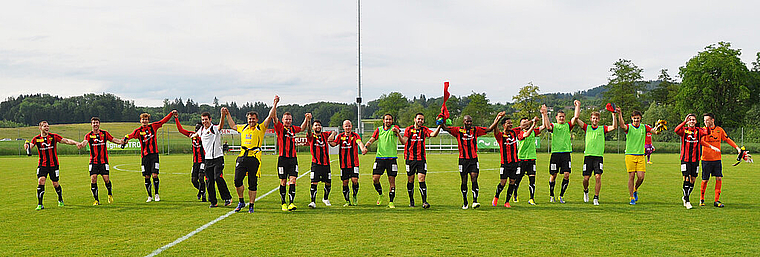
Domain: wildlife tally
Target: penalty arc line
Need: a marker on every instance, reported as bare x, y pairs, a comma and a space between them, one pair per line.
201, 228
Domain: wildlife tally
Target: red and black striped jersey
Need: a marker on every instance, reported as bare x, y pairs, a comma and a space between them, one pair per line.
198, 152
414, 150
467, 140
320, 150
147, 136
47, 149
348, 154
286, 139
691, 150
98, 148
508, 144
197, 144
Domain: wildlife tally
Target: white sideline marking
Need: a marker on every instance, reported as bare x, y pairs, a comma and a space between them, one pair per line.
201, 228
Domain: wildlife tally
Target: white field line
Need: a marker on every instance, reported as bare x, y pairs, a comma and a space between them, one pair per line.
201, 228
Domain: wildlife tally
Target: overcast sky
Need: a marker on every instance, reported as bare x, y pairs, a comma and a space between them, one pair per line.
306, 51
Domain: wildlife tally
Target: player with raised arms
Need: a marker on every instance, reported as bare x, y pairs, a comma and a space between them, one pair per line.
385, 158
414, 154
211, 138
635, 161
197, 173
287, 162
508, 139
561, 147
467, 142
593, 156
691, 152
526, 153
249, 160
47, 150
319, 147
99, 157
146, 134
348, 156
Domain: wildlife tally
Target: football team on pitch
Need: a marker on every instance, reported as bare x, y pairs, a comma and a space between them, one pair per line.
517, 155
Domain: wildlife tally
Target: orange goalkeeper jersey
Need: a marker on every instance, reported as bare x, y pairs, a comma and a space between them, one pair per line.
714, 136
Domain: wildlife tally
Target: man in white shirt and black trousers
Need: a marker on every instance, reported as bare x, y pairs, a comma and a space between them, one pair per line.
211, 138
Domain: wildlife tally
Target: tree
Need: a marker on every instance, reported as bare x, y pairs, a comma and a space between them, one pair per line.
663, 112
717, 81
346, 113
527, 101
480, 110
406, 116
391, 103
666, 91
624, 87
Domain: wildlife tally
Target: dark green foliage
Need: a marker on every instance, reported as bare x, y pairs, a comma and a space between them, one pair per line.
717, 81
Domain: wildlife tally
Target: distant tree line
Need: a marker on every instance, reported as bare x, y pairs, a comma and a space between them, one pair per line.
715, 80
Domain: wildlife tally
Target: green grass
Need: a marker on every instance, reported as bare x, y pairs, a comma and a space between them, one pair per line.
658, 225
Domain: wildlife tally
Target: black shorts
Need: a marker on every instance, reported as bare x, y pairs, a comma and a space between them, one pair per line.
527, 167
593, 164
99, 169
198, 170
559, 162
150, 164
287, 167
45, 171
214, 168
711, 168
469, 165
247, 166
382, 165
510, 170
690, 169
347, 173
413, 167
320, 173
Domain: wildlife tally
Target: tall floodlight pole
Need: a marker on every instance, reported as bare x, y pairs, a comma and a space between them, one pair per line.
359, 125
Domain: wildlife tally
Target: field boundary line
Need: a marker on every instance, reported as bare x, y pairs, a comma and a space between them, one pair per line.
201, 228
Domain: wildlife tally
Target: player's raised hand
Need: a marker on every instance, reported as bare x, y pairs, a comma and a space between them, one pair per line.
395, 130
536, 119
175, 113
502, 114
577, 103
307, 116
276, 99
618, 110
543, 109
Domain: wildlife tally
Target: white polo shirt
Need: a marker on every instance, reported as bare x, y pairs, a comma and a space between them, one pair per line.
211, 138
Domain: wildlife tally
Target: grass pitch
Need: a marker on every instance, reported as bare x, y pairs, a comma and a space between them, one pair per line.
658, 225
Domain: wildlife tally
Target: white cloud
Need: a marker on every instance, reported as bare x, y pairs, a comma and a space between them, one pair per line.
305, 51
